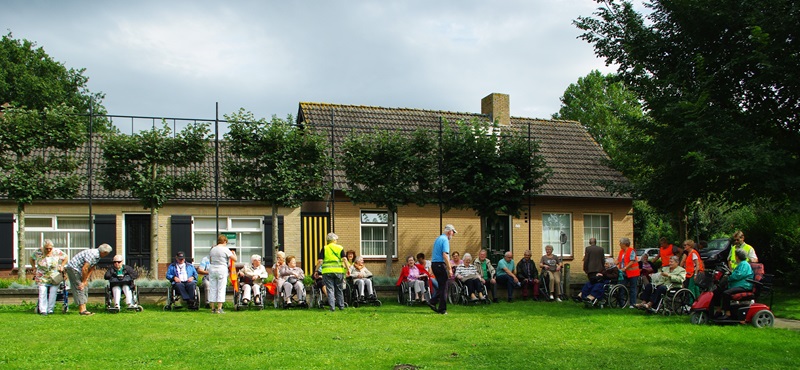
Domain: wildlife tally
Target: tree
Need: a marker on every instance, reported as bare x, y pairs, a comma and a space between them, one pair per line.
273, 162
31, 79
38, 159
603, 105
720, 82
390, 169
154, 165
488, 172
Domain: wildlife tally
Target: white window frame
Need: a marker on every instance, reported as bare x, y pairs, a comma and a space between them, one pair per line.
226, 225
595, 231
361, 226
70, 250
553, 236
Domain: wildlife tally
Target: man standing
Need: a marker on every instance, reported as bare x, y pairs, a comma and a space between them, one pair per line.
505, 274
486, 270
593, 259
440, 264
79, 269
738, 242
183, 277
334, 265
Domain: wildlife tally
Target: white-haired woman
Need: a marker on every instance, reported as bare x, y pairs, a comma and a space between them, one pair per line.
468, 274
292, 277
669, 277
361, 278
49, 263
251, 278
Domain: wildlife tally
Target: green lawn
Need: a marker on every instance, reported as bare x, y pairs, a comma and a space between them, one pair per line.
521, 335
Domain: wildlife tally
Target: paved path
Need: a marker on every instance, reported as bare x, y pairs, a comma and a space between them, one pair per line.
787, 323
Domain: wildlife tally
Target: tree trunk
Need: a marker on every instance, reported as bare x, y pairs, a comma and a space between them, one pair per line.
275, 228
21, 241
389, 242
154, 243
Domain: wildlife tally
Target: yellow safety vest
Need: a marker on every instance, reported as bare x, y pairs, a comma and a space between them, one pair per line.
332, 260
746, 247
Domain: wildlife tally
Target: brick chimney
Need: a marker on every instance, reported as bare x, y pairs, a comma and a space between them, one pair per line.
496, 106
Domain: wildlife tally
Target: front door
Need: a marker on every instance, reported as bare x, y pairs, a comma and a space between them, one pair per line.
137, 240
496, 232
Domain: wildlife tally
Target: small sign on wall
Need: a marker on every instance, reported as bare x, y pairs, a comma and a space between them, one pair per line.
231, 239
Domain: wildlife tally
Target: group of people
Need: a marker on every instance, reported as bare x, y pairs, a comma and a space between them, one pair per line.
683, 266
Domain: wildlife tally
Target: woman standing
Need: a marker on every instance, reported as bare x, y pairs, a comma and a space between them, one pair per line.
220, 257
49, 263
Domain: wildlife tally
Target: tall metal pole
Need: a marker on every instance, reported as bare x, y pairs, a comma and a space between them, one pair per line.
216, 167
333, 180
441, 176
90, 169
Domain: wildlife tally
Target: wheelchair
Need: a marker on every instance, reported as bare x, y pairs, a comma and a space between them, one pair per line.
360, 300
458, 292
238, 297
112, 308
62, 294
173, 297
294, 299
406, 295
614, 296
544, 283
675, 301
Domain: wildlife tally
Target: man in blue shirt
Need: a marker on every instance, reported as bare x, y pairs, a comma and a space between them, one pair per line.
505, 274
440, 264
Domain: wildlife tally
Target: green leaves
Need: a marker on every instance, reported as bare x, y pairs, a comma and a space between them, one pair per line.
155, 164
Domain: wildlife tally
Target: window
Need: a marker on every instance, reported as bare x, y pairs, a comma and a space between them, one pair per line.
373, 234
248, 232
598, 227
68, 233
553, 225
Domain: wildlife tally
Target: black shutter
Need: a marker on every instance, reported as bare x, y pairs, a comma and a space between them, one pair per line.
105, 231
181, 232
269, 249
7, 241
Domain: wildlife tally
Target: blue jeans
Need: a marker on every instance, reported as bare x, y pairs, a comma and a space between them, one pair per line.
633, 286
509, 282
333, 283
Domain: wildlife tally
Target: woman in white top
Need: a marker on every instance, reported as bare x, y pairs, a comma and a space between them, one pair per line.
361, 278
220, 257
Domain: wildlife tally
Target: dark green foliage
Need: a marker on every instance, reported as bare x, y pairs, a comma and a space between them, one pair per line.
31, 79
273, 161
720, 81
154, 165
489, 172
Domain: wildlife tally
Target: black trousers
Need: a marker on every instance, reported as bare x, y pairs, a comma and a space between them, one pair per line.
440, 271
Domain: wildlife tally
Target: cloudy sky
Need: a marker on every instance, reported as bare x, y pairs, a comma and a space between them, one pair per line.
177, 58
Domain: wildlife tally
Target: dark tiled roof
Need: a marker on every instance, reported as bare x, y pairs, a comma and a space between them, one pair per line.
576, 159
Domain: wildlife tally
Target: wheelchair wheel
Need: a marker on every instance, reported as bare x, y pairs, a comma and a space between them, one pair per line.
682, 301
453, 292
618, 296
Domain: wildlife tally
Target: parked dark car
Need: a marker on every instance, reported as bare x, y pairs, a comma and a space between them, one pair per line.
717, 251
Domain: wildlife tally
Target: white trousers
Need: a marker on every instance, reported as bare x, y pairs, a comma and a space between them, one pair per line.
249, 290
115, 292
47, 298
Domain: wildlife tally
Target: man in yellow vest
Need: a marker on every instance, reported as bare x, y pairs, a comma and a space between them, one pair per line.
738, 243
334, 264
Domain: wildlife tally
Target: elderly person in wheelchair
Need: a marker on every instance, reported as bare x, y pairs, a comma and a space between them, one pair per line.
183, 277
362, 279
120, 278
251, 278
593, 288
668, 277
468, 274
292, 277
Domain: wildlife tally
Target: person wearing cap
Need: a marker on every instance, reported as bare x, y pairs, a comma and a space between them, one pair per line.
251, 279
334, 264
440, 264
79, 269
120, 278
49, 263
183, 277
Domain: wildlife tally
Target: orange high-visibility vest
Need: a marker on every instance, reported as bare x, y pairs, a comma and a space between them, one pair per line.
624, 258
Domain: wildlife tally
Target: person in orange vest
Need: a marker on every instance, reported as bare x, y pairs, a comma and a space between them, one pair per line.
693, 265
665, 251
629, 267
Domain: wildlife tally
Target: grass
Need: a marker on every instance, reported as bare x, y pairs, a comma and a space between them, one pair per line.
521, 335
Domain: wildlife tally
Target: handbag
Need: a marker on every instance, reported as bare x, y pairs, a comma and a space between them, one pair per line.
58, 278
292, 280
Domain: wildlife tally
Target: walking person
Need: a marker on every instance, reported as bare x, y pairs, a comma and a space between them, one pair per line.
334, 264
440, 263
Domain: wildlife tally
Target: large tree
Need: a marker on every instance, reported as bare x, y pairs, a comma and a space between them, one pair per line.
31, 79
38, 159
390, 169
487, 170
154, 165
720, 81
274, 162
